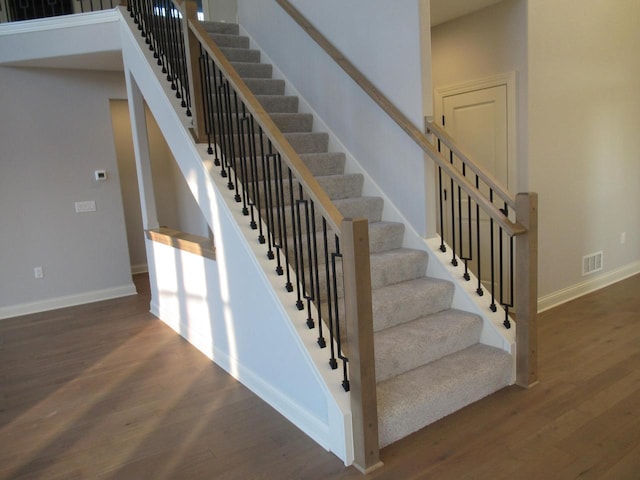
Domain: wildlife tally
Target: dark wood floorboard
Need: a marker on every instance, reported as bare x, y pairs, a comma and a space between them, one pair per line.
106, 391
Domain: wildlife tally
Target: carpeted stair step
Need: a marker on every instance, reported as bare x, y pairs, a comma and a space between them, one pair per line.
385, 236
241, 54
308, 142
419, 397
324, 163
220, 27
393, 265
265, 86
402, 302
336, 186
253, 70
270, 103
424, 340
226, 40
319, 164
293, 122
361, 207
286, 122
396, 266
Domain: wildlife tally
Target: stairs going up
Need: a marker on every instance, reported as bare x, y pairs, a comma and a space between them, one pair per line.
429, 360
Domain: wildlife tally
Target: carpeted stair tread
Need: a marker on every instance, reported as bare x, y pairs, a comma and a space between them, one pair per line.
424, 340
406, 301
226, 40
417, 398
220, 27
234, 54
398, 265
308, 142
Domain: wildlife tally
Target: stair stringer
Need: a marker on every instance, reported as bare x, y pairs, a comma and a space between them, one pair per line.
439, 266
238, 314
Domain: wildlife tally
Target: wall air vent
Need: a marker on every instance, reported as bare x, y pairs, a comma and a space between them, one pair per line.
592, 263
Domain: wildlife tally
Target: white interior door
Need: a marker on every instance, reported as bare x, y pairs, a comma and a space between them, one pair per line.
478, 120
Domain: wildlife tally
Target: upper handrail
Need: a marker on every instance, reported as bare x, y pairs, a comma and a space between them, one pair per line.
512, 228
297, 165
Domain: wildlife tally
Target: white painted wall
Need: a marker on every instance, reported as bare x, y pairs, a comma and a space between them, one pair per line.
584, 147
383, 40
482, 44
55, 130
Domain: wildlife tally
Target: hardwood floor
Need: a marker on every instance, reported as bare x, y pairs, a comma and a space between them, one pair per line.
106, 391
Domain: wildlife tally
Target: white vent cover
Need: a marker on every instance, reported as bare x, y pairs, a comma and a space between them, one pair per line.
592, 263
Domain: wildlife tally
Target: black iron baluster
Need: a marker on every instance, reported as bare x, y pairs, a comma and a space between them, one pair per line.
294, 227
491, 241
479, 290
454, 260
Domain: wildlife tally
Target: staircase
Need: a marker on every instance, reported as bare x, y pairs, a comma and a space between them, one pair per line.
429, 362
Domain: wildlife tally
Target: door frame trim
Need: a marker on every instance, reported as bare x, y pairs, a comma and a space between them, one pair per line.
508, 79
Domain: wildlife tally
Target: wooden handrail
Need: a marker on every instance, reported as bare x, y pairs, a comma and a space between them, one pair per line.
291, 157
474, 166
403, 122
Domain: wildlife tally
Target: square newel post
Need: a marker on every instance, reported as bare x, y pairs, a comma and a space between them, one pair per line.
192, 47
527, 291
359, 320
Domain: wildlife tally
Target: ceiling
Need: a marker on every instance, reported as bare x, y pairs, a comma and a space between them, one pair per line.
445, 10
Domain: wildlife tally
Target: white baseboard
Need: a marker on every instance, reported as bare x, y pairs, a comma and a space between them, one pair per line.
590, 285
67, 301
139, 268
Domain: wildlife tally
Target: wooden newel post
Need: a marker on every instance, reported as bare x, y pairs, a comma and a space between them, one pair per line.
359, 321
192, 46
527, 291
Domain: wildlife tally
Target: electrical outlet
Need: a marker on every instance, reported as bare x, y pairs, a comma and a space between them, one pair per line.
37, 272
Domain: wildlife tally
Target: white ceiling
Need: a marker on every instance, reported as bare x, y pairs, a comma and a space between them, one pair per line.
445, 10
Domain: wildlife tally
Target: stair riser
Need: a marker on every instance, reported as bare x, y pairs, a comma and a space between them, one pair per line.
403, 303
451, 383
241, 55
265, 86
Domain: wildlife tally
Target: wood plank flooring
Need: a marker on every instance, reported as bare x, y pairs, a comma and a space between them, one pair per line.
106, 391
